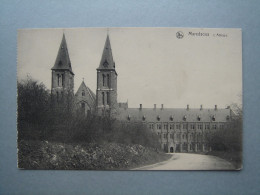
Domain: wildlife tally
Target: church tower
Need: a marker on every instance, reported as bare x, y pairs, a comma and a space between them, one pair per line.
62, 74
106, 95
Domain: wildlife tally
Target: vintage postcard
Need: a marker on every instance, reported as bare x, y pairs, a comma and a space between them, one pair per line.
129, 99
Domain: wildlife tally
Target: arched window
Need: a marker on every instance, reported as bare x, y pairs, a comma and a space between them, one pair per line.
103, 98
57, 94
108, 98
82, 105
58, 79
103, 79
108, 80
62, 79
83, 93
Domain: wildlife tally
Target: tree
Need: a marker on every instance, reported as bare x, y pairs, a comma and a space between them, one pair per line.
33, 108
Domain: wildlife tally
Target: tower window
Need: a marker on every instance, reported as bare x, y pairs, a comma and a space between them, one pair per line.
62, 79
105, 64
58, 79
60, 63
57, 93
108, 81
103, 98
103, 79
83, 93
108, 99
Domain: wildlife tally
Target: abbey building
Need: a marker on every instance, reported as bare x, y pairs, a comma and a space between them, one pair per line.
179, 130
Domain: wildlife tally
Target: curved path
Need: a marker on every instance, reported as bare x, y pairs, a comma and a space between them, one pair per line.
186, 161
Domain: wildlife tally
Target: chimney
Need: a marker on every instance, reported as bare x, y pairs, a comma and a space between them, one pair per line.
188, 107
162, 107
140, 107
216, 107
201, 107
154, 107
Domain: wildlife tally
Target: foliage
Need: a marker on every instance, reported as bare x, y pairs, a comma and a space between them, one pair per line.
33, 109
44, 116
229, 138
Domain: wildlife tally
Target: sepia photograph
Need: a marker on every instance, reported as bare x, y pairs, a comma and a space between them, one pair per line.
129, 99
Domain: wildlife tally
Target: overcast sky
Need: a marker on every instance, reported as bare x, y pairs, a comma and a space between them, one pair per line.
153, 65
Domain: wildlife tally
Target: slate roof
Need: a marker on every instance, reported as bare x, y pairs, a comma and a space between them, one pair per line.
174, 114
107, 61
63, 60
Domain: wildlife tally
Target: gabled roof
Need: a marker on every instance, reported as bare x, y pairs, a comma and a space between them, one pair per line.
88, 93
107, 61
174, 114
63, 60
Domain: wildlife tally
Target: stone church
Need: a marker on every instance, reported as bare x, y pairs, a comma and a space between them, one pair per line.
178, 130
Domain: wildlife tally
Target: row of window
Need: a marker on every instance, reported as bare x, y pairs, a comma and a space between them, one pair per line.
192, 146
183, 136
185, 126
213, 118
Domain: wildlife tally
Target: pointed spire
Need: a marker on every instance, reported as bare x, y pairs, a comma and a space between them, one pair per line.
63, 60
107, 61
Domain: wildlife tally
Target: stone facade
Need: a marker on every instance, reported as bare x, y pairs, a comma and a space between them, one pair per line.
180, 130
106, 82
85, 100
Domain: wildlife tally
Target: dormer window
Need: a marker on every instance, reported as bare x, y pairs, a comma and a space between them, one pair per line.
228, 118
144, 118
171, 118
213, 118
105, 64
184, 117
158, 118
129, 117
198, 118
